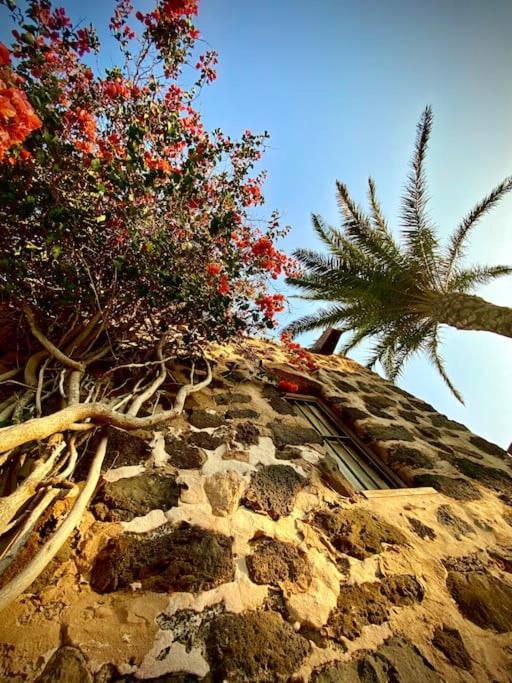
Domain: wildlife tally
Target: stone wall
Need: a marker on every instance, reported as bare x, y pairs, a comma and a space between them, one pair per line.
228, 547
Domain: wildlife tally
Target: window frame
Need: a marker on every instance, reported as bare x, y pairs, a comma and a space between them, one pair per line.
365, 455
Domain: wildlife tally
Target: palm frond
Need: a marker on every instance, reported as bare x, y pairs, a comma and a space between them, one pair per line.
459, 237
357, 338
360, 231
377, 215
327, 317
464, 280
419, 236
432, 346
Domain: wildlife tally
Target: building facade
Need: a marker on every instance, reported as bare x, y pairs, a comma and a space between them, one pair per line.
343, 532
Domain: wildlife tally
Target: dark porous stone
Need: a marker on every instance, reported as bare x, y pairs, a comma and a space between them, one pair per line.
377, 404
506, 498
362, 604
353, 414
363, 386
460, 489
205, 440
254, 646
289, 453
275, 562
421, 405
132, 497
395, 661
292, 435
228, 399
450, 642
380, 432
507, 517
411, 456
502, 554
408, 416
464, 563
483, 599
356, 532
282, 406
66, 665
358, 605
110, 674
270, 391
124, 449
344, 386
421, 529
188, 626
202, 419
493, 478
471, 452
443, 447
241, 413
488, 447
182, 454
430, 433
187, 559
247, 433
402, 590
273, 490
237, 377
439, 420
457, 525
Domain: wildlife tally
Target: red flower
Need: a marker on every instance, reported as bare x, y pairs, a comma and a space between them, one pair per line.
17, 118
223, 287
285, 385
5, 58
213, 268
270, 304
177, 8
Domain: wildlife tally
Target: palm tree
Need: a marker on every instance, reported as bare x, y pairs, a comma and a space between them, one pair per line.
398, 294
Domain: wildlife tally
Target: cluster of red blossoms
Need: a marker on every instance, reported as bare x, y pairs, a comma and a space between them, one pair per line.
17, 117
301, 358
290, 387
251, 193
271, 259
213, 269
270, 304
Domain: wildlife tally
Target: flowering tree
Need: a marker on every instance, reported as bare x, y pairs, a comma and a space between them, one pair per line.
124, 226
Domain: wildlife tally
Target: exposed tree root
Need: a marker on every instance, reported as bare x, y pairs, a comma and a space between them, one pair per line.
33, 482
41, 427
46, 554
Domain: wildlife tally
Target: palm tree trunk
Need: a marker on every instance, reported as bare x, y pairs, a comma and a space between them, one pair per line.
469, 312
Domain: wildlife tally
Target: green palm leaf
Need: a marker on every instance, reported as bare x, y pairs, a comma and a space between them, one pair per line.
397, 295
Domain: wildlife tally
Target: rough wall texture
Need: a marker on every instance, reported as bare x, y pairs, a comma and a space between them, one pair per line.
226, 547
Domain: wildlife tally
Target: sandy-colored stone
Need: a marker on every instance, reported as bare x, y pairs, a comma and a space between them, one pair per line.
224, 491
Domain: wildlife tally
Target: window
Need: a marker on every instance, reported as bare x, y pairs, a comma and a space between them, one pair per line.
361, 468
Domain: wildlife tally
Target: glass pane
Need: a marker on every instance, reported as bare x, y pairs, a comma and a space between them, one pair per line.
362, 469
351, 459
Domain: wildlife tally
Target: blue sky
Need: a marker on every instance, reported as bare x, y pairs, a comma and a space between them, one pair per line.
340, 85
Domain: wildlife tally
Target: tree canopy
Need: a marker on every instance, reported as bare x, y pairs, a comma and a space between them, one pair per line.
114, 198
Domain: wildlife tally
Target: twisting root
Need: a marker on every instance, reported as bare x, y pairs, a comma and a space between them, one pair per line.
146, 395
45, 555
49, 477
48, 345
14, 502
42, 427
